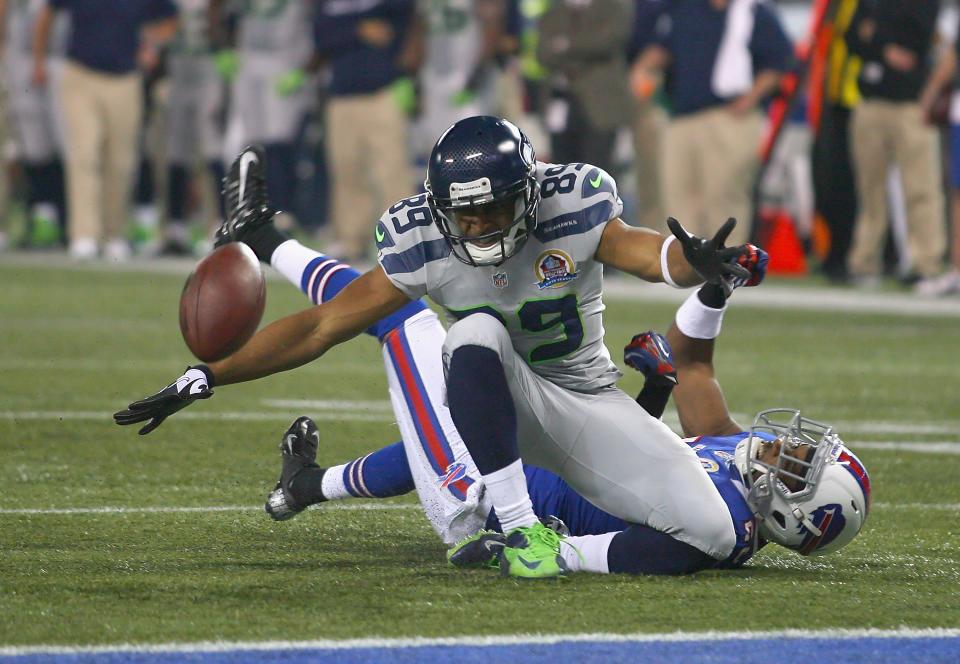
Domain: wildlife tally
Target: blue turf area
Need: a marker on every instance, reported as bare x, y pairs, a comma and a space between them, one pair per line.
782, 651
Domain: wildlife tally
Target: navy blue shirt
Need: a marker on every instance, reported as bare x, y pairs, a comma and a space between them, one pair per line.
356, 66
645, 20
105, 34
692, 30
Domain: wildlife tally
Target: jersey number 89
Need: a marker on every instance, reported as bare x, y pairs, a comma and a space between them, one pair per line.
543, 316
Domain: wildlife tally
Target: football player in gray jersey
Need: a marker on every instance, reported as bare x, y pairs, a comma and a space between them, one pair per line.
512, 249
36, 122
195, 114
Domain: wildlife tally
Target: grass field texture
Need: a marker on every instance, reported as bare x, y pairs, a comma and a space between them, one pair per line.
107, 537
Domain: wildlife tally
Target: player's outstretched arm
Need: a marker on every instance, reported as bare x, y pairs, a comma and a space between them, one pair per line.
284, 344
297, 339
681, 260
698, 396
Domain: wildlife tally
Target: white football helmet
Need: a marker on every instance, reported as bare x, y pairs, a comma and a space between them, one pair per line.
831, 496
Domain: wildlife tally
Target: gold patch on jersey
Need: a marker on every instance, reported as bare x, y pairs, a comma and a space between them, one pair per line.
554, 268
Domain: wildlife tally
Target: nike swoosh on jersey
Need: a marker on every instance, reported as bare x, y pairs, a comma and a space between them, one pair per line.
595, 182
380, 234
246, 159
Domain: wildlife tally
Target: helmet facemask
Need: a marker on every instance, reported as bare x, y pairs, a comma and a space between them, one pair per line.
494, 247
782, 492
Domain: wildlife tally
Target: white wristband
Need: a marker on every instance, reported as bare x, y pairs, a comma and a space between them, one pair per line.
664, 268
698, 321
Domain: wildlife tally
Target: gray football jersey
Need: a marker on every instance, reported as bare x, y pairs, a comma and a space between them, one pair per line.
193, 30
548, 295
18, 32
280, 28
454, 40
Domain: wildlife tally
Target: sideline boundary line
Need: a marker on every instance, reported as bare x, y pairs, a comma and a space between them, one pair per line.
493, 640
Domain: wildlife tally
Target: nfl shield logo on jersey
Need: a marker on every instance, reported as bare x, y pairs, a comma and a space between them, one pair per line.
500, 280
554, 268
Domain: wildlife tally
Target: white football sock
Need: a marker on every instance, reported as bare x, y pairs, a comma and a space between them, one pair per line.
507, 489
291, 259
592, 556
332, 484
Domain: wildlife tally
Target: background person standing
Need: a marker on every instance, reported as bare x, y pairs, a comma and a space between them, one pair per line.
102, 107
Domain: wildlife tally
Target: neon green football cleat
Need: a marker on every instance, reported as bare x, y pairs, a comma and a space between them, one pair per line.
482, 549
532, 553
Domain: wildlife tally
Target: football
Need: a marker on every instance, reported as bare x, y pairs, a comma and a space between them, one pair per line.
222, 302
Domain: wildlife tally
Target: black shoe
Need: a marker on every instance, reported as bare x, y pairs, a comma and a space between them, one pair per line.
245, 194
299, 451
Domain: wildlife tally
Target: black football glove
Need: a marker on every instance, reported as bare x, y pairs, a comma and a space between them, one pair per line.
192, 385
715, 263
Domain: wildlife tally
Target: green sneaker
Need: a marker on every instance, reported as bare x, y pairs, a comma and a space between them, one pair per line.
44, 232
532, 553
481, 549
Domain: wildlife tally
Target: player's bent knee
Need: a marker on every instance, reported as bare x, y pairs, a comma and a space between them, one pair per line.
715, 537
477, 330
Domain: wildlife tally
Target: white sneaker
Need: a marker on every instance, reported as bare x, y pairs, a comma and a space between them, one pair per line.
866, 281
945, 284
83, 249
117, 250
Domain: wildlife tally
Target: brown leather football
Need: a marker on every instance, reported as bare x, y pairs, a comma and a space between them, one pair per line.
222, 302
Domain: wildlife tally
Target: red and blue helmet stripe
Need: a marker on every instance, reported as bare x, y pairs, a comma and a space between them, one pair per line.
849, 460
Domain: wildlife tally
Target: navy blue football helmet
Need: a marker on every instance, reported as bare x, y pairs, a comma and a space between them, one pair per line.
479, 161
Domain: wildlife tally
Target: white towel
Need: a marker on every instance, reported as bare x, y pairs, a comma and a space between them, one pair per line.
733, 69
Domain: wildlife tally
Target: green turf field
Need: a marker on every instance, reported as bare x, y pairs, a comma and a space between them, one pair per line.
79, 344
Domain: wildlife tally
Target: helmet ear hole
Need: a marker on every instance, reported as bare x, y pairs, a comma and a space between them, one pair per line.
778, 517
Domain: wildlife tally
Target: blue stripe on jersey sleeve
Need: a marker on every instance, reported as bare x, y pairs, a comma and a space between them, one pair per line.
415, 257
575, 223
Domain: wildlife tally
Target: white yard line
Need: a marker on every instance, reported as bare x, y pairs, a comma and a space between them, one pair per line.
343, 507
279, 416
362, 405
346, 506
926, 447
492, 640
784, 296
770, 296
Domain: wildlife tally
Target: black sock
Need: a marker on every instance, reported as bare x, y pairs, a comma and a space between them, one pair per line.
177, 179
644, 550
217, 171
481, 407
655, 395
307, 483
264, 241
712, 295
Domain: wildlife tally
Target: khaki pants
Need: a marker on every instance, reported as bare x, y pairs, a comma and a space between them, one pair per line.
369, 165
709, 161
102, 115
884, 133
649, 122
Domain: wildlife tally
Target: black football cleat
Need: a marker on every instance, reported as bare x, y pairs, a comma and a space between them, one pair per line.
245, 197
299, 452
482, 549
